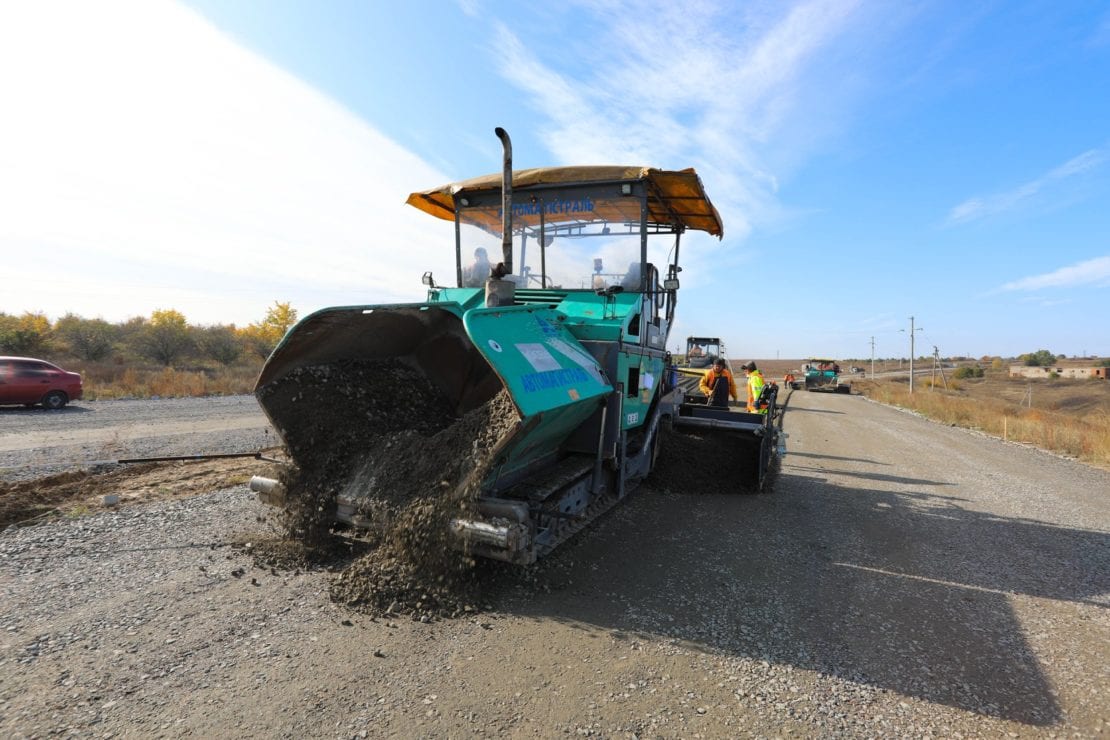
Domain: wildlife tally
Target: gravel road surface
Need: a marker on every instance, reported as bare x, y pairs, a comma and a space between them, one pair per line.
36, 442
903, 579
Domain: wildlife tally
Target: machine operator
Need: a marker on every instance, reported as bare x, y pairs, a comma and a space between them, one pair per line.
476, 274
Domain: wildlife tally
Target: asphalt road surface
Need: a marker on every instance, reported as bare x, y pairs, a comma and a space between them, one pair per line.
903, 578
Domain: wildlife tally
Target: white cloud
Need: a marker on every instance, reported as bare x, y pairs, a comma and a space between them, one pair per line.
1046, 302
983, 206
680, 84
743, 92
150, 162
472, 8
1090, 272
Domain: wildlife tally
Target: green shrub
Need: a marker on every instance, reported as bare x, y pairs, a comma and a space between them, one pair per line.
1041, 358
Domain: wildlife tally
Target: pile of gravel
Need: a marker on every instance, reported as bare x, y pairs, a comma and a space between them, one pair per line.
333, 417
418, 568
379, 434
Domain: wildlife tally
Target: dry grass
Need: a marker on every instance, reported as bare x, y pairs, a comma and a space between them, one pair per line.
1067, 416
104, 380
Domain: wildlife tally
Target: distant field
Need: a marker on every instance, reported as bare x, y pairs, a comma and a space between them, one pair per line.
1067, 416
1080, 399
1076, 398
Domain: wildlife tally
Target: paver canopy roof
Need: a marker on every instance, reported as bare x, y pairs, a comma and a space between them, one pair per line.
675, 197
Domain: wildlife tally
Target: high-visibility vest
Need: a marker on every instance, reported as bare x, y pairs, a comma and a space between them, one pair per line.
755, 388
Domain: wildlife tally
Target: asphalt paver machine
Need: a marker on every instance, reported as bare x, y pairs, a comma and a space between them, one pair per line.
571, 320
823, 374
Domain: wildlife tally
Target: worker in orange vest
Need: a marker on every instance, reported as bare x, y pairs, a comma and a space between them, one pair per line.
718, 385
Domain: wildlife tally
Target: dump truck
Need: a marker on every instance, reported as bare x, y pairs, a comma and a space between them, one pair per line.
555, 368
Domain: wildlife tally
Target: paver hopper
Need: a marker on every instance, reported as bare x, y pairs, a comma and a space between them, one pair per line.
754, 438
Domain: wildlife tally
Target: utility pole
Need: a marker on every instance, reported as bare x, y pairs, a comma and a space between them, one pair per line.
939, 365
912, 330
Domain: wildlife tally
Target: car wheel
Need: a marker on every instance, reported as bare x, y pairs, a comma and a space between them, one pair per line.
54, 400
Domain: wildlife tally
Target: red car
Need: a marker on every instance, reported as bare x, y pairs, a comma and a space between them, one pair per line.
28, 382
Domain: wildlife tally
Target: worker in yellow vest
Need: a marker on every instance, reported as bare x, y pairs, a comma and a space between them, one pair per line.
755, 387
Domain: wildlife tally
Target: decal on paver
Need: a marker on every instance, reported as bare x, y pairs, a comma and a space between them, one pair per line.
549, 329
533, 382
538, 357
580, 358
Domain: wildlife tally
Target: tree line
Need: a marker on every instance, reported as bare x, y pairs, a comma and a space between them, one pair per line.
165, 337
1045, 358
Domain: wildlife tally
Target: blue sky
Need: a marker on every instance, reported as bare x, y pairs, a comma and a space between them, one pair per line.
871, 160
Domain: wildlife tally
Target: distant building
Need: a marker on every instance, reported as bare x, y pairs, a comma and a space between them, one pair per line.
1064, 371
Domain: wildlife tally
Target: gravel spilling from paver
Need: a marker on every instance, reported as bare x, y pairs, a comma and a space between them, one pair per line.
378, 435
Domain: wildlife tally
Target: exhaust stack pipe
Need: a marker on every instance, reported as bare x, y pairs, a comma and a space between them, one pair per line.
506, 200
499, 291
